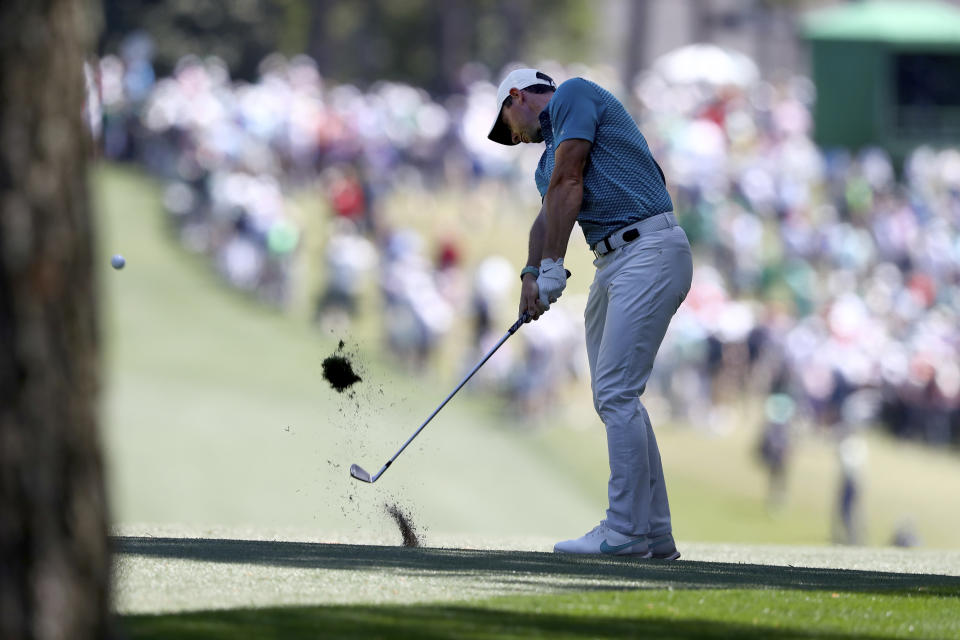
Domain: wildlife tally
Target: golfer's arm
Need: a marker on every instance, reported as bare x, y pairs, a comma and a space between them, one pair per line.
564, 195
538, 236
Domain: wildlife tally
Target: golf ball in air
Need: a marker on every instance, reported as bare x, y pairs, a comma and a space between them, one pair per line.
117, 261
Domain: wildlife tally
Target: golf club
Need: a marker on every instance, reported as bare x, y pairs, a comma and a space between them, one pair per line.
361, 474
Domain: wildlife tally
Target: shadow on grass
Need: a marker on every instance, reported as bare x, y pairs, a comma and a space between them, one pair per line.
428, 622
549, 570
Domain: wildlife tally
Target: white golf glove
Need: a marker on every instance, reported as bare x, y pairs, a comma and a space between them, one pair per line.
551, 281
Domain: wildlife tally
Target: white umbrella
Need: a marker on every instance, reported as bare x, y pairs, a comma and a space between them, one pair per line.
706, 63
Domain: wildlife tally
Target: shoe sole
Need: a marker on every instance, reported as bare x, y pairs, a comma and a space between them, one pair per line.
667, 556
643, 556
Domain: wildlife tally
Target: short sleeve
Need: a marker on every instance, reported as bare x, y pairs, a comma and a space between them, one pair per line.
574, 111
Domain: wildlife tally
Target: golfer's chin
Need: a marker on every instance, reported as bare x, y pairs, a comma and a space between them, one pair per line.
531, 137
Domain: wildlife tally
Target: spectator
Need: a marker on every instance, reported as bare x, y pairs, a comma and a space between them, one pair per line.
822, 259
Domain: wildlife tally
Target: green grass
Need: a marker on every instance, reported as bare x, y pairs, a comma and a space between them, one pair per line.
216, 414
215, 411
717, 488
550, 596
634, 614
218, 426
173, 571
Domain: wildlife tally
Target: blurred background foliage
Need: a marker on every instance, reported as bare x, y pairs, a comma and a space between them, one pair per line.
420, 42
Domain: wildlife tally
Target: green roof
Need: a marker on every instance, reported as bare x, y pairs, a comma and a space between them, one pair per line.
898, 21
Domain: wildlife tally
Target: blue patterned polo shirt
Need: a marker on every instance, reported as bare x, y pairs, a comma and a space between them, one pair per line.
622, 183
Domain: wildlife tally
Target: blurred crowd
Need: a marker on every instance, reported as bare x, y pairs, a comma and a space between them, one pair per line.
821, 276
825, 275
232, 153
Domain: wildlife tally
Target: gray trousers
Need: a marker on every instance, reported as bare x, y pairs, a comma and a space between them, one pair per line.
635, 292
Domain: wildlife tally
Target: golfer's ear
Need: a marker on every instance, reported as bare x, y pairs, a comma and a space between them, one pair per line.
515, 93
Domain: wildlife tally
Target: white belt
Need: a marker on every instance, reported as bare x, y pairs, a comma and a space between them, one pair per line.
630, 233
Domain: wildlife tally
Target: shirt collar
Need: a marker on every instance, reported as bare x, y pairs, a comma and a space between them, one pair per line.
546, 127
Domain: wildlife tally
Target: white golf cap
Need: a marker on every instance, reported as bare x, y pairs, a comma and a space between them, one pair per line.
516, 79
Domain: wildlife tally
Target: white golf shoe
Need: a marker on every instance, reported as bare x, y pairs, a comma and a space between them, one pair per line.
604, 541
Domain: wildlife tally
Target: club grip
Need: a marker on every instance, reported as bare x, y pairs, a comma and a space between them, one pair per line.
525, 317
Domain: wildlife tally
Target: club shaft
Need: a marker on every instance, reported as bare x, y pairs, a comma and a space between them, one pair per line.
523, 319
509, 333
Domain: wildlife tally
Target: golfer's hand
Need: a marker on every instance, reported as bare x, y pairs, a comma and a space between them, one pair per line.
551, 282
530, 297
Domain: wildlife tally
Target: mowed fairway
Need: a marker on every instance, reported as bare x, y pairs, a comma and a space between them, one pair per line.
228, 457
385, 592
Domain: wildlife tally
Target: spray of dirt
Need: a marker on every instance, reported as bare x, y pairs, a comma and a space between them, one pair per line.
338, 371
405, 524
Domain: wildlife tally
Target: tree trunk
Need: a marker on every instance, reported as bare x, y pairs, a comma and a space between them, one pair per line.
635, 52
700, 14
453, 44
318, 39
515, 16
54, 557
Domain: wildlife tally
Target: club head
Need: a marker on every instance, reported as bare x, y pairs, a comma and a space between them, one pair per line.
357, 472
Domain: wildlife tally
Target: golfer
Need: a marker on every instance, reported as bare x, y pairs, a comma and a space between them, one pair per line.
597, 170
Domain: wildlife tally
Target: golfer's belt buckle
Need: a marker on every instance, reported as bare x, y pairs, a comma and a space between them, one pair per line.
604, 247
603, 243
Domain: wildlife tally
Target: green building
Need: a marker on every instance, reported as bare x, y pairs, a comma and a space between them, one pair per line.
887, 74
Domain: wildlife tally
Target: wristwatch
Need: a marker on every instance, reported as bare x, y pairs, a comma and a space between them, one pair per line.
529, 269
